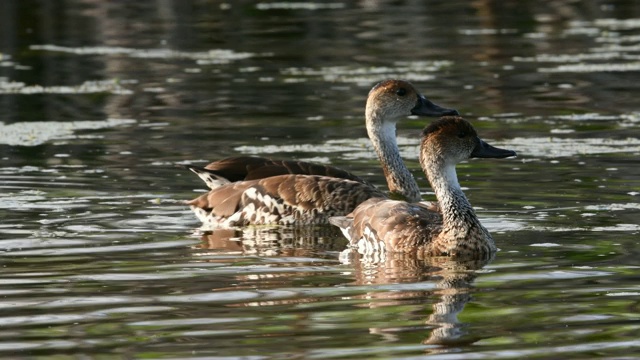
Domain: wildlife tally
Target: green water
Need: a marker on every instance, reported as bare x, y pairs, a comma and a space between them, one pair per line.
101, 101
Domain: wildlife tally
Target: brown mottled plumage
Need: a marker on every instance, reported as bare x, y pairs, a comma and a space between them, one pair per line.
251, 168
239, 168
380, 224
283, 199
291, 192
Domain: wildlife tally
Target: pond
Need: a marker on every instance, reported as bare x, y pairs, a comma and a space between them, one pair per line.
103, 101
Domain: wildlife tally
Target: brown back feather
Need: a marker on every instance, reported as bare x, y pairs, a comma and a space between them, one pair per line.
395, 222
240, 168
320, 196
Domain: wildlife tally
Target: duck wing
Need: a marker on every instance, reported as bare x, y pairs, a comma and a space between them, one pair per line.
283, 199
380, 224
240, 168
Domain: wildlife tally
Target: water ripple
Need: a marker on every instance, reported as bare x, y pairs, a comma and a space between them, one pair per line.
101, 249
39, 132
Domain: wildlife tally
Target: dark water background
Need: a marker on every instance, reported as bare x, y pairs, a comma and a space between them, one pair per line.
100, 100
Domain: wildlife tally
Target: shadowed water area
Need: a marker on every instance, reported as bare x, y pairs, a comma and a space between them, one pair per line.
101, 101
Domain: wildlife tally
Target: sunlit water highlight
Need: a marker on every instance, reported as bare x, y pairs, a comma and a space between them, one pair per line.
100, 256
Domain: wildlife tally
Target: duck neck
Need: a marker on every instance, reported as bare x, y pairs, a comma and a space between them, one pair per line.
459, 219
399, 179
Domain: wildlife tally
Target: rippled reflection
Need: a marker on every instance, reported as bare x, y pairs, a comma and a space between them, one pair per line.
448, 283
273, 240
100, 101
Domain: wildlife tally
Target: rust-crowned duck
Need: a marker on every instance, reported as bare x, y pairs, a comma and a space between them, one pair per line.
380, 224
248, 190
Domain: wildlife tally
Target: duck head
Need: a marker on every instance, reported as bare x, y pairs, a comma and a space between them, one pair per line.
452, 139
388, 102
392, 100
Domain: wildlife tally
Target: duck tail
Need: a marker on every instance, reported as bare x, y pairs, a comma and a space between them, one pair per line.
209, 177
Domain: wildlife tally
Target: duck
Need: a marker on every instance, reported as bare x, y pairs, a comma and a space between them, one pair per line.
242, 168
259, 191
382, 225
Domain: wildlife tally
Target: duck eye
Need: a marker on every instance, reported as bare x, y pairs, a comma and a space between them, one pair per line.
401, 92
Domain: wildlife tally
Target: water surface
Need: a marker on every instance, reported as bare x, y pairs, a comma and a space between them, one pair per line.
101, 102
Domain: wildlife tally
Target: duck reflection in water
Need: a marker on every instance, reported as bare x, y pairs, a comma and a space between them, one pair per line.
443, 283
274, 240
448, 279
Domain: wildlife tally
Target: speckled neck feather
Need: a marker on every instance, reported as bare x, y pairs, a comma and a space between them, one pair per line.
461, 228
382, 132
